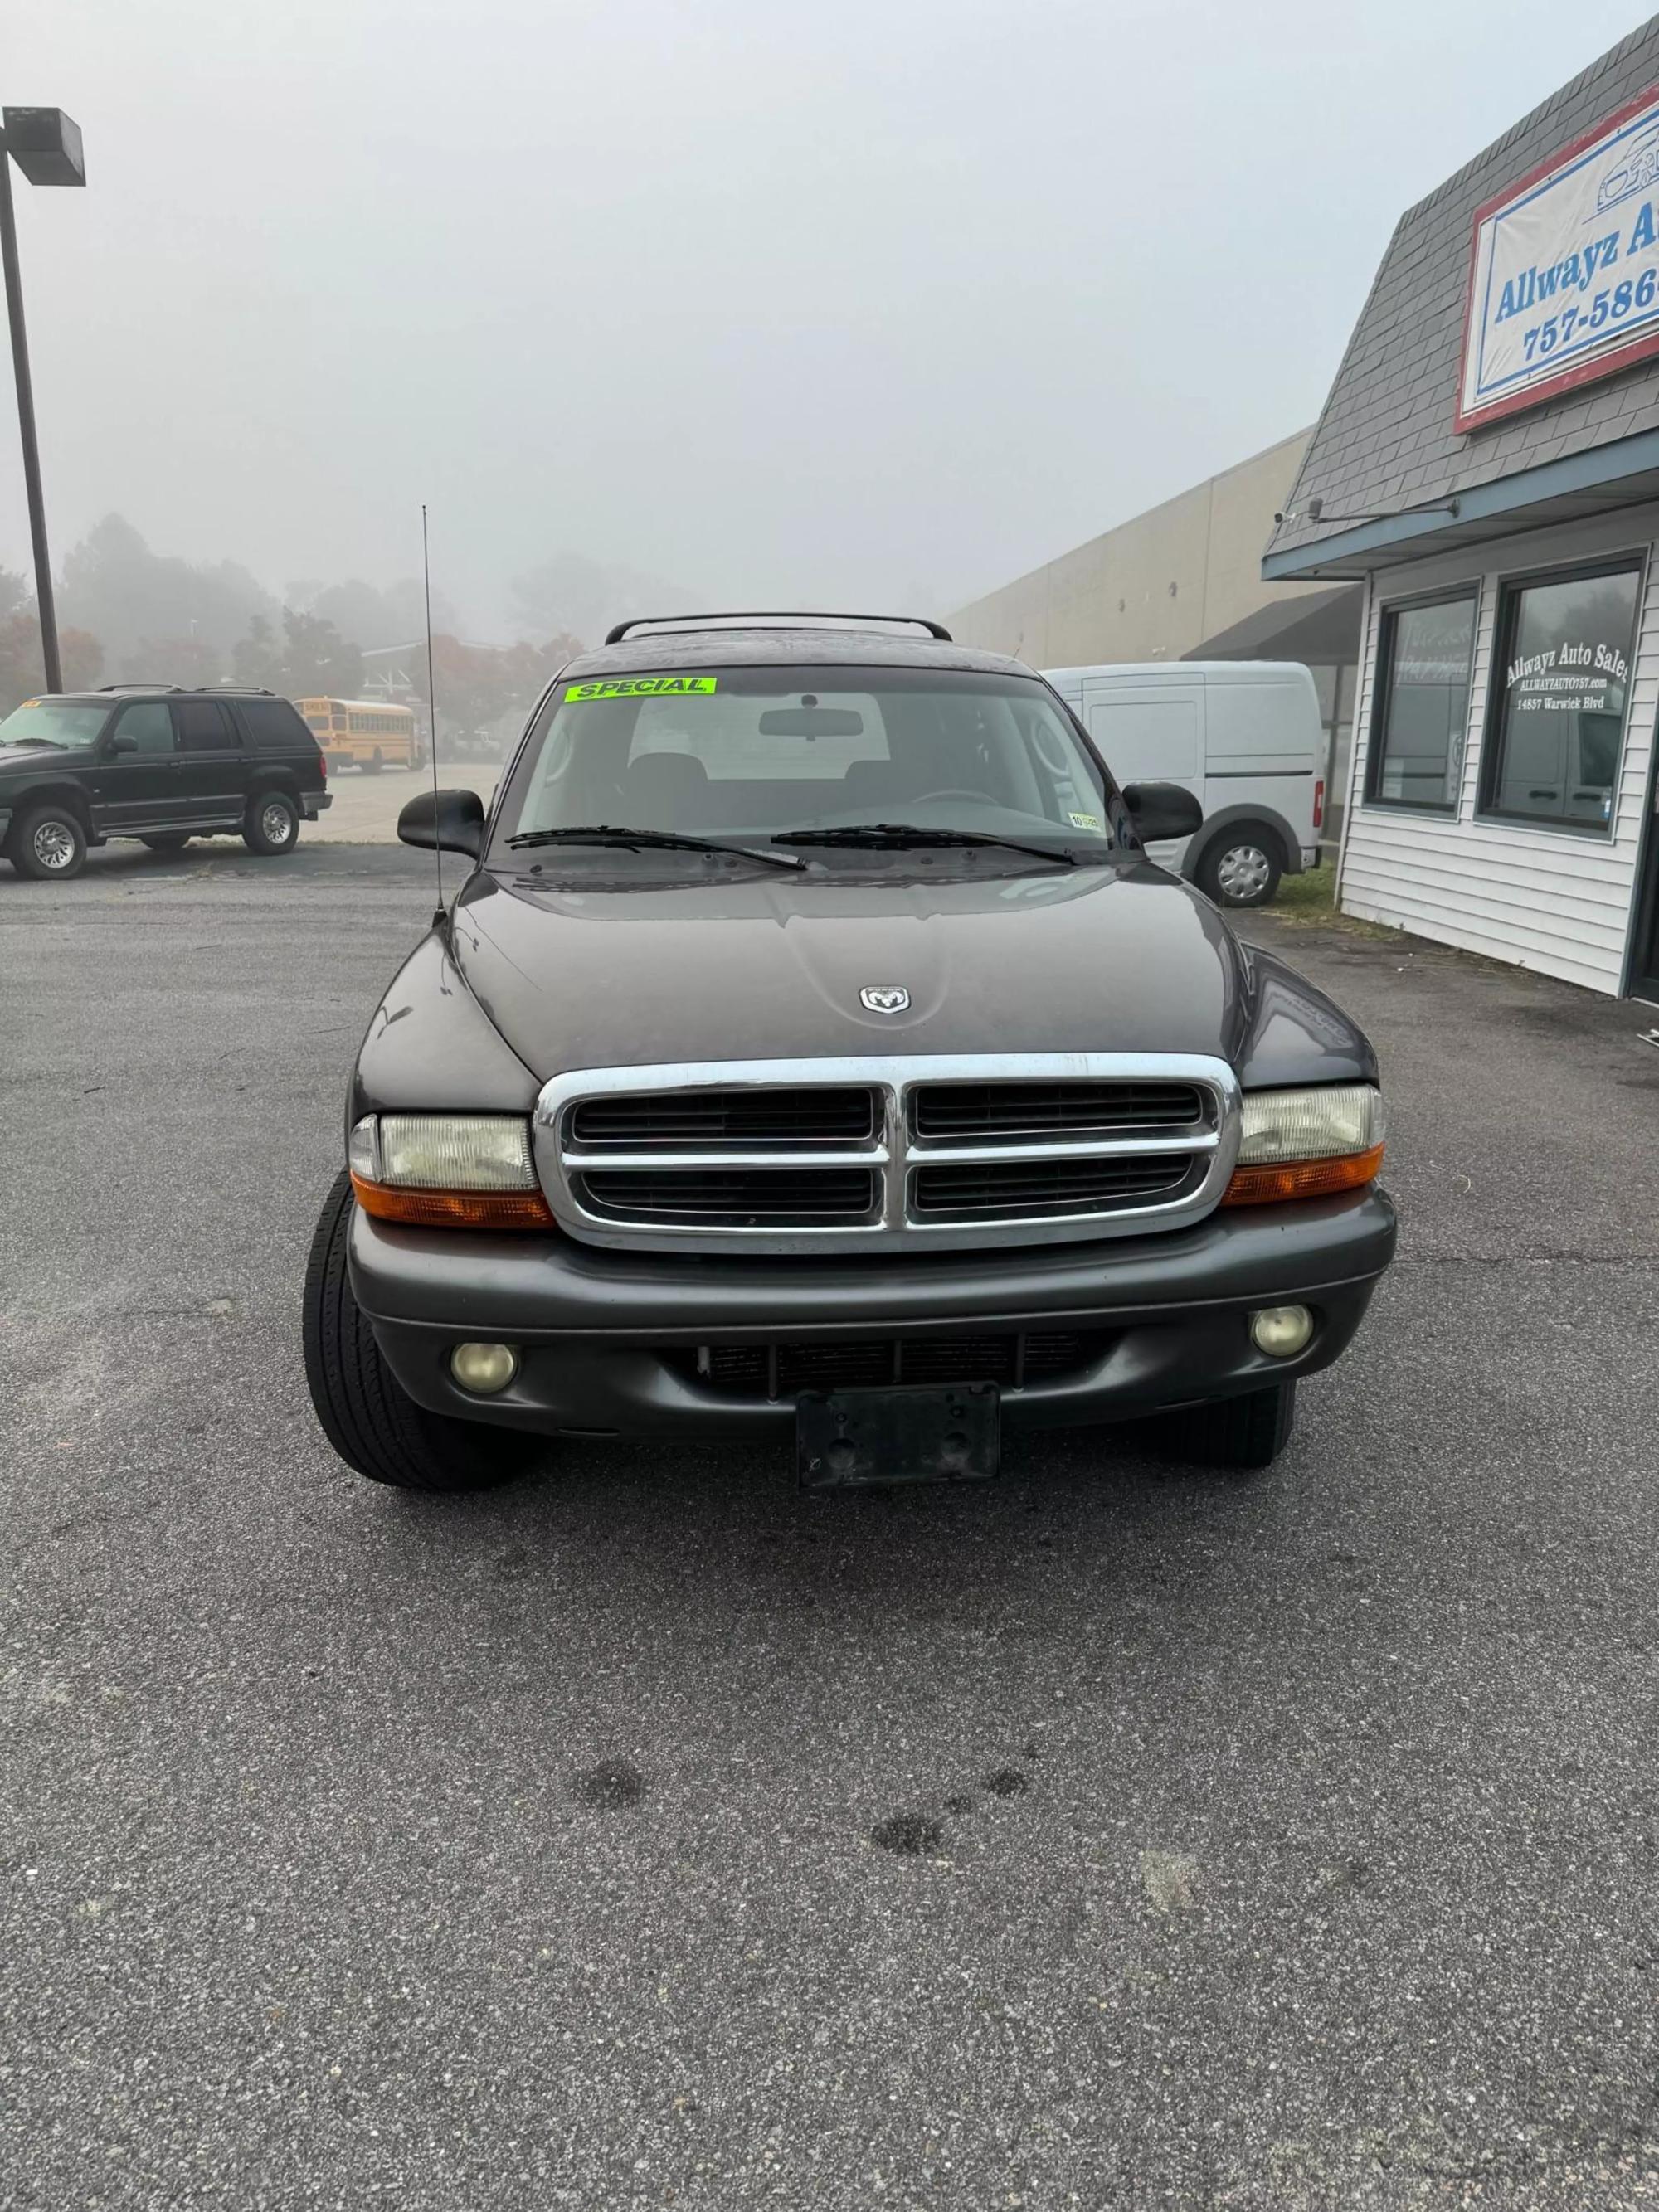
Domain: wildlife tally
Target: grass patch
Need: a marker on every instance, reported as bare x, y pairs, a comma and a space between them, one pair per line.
1306, 898
1307, 902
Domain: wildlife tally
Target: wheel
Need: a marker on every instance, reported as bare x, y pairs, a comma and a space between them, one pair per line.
1242, 866
367, 1415
1244, 1432
48, 843
272, 824
373, 764
174, 841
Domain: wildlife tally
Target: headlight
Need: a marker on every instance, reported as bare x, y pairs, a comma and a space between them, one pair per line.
1308, 1144
462, 1171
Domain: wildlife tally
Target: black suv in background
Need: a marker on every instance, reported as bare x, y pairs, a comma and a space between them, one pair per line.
156, 763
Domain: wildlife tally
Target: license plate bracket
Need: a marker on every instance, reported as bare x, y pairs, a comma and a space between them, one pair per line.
858, 1439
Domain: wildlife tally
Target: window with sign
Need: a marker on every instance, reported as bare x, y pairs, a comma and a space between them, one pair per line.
1422, 713
1561, 677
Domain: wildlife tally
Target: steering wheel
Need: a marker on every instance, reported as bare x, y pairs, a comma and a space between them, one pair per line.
978, 798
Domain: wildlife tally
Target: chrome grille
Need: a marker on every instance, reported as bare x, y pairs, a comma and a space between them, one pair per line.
991, 1111
749, 1196
791, 1156
830, 1114
999, 1187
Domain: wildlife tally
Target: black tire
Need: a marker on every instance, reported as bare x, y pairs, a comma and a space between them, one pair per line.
1250, 1432
174, 841
259, 825
48, 843
1242, 866
367, 1415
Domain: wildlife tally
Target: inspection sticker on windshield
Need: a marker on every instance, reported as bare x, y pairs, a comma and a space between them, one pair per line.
640, 687
1084, 821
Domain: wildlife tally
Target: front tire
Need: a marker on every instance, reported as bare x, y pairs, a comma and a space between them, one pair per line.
271, 825
367, 1415
1241, 867
1245, 1432
48, 844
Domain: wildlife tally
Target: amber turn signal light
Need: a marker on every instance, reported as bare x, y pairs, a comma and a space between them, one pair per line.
1267, 1186
452, 1209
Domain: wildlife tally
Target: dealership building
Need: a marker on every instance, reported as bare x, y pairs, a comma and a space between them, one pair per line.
1486, 470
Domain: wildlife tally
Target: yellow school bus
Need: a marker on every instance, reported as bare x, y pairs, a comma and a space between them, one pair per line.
366, 732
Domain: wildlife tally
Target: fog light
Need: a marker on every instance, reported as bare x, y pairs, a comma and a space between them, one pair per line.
1279, 1331
484, 1369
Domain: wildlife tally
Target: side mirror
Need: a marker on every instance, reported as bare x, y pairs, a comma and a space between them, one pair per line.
1162, 809
447, 821
123, 742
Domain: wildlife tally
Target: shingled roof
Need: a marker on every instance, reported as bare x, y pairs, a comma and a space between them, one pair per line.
1385, 444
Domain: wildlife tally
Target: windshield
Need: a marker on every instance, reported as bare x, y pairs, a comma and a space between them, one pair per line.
52, 722
753, 753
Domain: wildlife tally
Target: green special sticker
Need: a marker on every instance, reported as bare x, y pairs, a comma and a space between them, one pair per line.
641, 687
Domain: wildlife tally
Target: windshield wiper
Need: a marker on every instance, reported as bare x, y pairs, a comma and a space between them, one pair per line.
896, 835
670, 841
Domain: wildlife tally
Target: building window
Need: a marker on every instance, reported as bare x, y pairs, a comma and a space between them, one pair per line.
1561, 681
1424, 665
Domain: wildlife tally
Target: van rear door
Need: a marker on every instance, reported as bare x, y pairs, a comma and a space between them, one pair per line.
1266, 747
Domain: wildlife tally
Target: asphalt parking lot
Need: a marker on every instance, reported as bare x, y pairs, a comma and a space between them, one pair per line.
1297, 1837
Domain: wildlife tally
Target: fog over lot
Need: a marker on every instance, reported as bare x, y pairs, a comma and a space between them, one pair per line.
846, 306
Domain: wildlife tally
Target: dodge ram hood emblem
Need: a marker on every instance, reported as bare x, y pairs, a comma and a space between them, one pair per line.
884, 997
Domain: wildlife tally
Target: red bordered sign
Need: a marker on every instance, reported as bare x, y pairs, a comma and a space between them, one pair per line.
1564, 271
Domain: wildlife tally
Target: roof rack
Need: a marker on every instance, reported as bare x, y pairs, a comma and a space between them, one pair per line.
248, 690
130, 686
618, 631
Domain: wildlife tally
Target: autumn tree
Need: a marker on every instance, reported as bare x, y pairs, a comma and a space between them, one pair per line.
22, 664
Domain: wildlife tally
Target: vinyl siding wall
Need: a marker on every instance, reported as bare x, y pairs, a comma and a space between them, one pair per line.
1551, 900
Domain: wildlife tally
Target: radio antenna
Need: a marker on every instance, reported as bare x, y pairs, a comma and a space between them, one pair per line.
441, 915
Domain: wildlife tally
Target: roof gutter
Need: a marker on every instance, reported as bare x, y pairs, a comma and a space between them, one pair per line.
1344, 553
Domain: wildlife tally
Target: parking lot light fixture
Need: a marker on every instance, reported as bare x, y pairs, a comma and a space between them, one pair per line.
45, 145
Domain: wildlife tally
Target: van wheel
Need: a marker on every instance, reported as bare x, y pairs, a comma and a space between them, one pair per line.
271, 825
367, 1415
47, 843
1242, 866
1250, 1432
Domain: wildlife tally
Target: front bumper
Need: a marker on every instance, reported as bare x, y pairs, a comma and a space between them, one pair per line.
597, 1330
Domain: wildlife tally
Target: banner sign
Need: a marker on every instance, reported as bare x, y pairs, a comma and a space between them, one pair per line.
1563, 276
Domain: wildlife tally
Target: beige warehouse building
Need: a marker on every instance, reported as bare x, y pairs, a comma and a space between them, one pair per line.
1183, 582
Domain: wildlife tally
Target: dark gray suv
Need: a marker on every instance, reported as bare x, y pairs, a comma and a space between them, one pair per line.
813, 1051
156, 763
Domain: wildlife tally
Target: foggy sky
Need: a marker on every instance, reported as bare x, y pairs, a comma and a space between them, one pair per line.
800, 305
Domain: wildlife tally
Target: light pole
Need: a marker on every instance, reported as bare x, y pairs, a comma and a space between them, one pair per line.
46, 147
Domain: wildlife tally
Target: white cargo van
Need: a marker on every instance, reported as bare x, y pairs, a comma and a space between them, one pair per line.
1246, 740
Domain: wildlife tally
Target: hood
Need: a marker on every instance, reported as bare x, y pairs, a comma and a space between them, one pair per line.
1121, 958
33, 750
